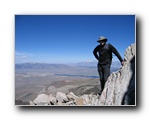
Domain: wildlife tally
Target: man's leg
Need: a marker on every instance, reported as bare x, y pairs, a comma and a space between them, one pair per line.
106, 70
101, 75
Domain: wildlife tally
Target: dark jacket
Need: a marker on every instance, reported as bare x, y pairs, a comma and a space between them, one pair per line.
104, 55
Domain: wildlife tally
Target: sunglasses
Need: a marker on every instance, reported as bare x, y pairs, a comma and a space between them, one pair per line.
102, 41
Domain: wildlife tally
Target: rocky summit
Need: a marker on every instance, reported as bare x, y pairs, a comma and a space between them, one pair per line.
120, 86
65, 99
119, 89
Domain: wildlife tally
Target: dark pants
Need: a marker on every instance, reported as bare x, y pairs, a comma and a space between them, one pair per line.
104, 72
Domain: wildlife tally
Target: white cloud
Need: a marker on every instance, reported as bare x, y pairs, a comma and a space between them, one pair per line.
18, 53
21, 57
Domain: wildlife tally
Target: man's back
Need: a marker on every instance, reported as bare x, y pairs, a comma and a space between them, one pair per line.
104, 54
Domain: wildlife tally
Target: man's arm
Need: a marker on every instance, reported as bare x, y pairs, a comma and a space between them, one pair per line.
95, 52
114, 50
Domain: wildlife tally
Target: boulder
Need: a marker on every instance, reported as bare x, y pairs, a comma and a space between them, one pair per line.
42, 99
72, 96
80, 101
60, 96
52, 99
86, 99
32, 103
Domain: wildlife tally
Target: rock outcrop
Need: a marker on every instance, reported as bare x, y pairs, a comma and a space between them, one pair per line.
119, 88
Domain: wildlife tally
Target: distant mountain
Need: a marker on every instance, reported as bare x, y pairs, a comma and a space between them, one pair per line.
94, 63
115, 64
39, 66
86, 63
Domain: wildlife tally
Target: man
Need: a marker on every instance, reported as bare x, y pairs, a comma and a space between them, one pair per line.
103, 53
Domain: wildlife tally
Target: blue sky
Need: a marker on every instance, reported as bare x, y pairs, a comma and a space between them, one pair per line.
69, 38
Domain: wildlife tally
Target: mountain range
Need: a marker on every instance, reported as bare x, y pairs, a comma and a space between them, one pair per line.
52, 66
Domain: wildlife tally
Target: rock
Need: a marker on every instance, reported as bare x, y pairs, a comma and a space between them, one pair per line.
94, 99
42, 99
129, 52
72, 96
129, 97
80, 101
60, 96
86, 99
32, 103
52, 99
70, 103
60, 103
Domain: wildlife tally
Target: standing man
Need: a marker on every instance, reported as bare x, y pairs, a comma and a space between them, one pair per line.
103, 53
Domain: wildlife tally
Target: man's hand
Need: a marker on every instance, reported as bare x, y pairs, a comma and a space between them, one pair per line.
122, 63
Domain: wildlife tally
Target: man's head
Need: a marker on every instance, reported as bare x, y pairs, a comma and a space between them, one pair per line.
102, 40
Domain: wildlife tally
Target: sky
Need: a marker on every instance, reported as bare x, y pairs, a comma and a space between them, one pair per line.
69, 38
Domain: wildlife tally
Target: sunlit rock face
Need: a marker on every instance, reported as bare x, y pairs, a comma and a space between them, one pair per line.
120, 86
